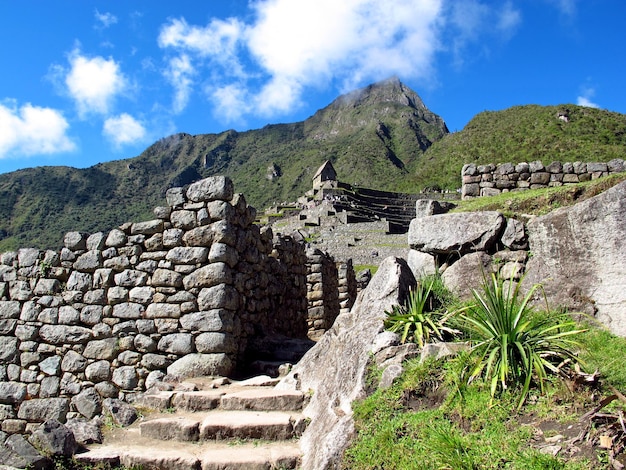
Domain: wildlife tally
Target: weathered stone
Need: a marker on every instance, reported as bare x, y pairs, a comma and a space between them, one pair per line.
68, 315
221, 210
9, 309
8, 349
467, 273
131, 278
149, 227
51, 365
336, 367
208, 276
221, 252
125, 377
211, 320
579, 259
215, 342
17, 452
155, 361
39, 410
514, 236
98, 371
89, 261
123, 329
47, 287
183, 219
87, 403
85, 432
91, 314
116, 238
12, 393
141, 295
210, 189
128, 310
54, 439
49, 387
455, 232
144, 343
62, 334
7, 327
73, 362
187, 255
122, 413
106, 389
103, 349
217, 297
177, 343
79, 281
198, 365
421, 264
175, 197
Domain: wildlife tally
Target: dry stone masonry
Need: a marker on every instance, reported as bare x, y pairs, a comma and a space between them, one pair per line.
490, 180
113, 313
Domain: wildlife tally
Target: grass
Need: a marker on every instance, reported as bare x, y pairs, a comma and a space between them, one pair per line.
540, 201
433, 417
464, 432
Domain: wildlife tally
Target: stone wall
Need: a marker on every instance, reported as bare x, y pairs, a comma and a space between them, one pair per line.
489, 180
331, 289
112, 313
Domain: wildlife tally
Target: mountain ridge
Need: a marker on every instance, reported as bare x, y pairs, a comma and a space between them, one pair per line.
381, 136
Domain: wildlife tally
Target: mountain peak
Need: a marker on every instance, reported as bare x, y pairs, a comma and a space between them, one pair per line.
388, 90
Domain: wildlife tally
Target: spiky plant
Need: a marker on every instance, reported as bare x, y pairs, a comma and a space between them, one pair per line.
511, 343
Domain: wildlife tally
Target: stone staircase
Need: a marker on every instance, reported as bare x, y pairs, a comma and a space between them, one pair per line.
209, 424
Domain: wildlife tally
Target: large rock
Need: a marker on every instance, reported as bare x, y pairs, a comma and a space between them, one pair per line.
336, 367
456, 233
198, 365
54, 438
578, 255
210, 189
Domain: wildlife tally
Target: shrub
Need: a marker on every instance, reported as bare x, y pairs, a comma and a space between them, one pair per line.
422, 318
511, 343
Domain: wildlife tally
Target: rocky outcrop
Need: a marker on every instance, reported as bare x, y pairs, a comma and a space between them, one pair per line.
578, 255
334, 370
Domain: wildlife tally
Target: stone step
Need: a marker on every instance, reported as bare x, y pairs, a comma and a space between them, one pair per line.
162, 455
241, 398
267, 425
263, 399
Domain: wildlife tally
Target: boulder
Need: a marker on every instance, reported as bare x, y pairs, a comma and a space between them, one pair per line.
198, 365
335, 368
578, 256
456, 232
54, 438
467, 274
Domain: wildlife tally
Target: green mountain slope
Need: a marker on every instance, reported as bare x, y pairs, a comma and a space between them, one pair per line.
565, 133
376, 134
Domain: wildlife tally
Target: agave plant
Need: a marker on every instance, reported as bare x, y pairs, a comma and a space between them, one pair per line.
511, 343
417, 320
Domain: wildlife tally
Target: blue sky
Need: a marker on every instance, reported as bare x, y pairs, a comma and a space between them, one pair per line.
88, 82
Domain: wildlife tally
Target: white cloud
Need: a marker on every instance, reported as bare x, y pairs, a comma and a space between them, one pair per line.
32, 130
179, 74
231, 101
586, 96
94, 83
105, 19
266, 65
306, 43
123, 130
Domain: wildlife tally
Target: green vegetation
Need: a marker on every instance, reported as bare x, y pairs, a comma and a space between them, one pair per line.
525, 134
540, 201
370, 136
482, 408
511, 344
422, 318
